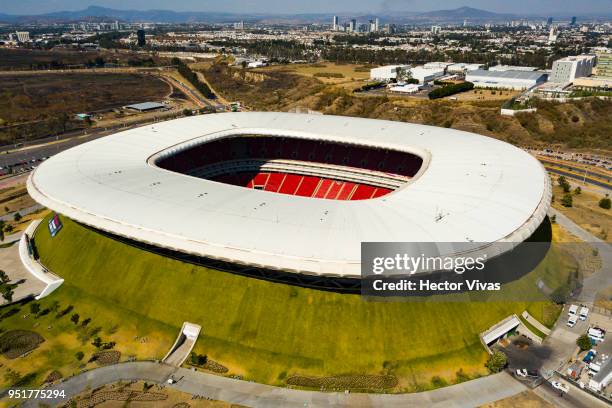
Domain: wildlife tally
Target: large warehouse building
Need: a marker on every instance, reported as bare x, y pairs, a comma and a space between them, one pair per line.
296, 193
517, 80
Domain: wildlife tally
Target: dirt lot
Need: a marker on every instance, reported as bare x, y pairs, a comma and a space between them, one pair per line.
29, 98
526, 399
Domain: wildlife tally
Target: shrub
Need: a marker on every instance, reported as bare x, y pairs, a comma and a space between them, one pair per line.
75, 318
79, 355
567, 200
34, 308
496, 362
577, 190
17, 217
605, 203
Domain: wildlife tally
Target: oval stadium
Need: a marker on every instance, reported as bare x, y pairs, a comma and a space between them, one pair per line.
296, 193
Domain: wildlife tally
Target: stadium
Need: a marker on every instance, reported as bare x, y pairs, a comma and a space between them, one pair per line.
155, 217
296, 193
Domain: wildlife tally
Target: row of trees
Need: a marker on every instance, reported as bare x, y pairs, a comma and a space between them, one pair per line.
450, 89
192, 77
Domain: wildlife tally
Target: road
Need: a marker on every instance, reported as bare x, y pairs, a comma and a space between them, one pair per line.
467, 394
575, 398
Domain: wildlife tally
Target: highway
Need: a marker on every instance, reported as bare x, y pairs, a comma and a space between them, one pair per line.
588, 179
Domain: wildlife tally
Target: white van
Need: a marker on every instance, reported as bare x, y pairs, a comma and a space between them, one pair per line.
571, 321
596, 334
584, 313
573, 310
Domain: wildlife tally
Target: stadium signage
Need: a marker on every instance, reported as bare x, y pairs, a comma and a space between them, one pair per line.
55, 225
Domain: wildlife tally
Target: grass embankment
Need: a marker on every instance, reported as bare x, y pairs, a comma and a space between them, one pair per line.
265, 331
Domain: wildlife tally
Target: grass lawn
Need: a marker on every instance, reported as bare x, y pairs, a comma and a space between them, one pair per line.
266, 331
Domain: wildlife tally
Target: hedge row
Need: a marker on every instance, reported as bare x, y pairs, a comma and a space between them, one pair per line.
450, 90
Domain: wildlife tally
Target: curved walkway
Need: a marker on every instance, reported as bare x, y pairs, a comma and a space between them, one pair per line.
467, 394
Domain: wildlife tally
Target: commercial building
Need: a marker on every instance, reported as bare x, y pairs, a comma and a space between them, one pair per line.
436, 29
387, 72
141, 38
146, 106
569, 68
499, 68
437, 65
462, 67
604, 65
601, 380
23, 36
335, 23
425, 75
518, 80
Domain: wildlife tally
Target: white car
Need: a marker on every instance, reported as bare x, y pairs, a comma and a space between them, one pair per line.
584, 313
521, 372
571, 321
573, 310
560, 386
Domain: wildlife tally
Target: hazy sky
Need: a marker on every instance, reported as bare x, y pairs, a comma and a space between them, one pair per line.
552, 7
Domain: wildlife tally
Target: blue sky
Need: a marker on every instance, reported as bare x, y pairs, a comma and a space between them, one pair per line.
544, 7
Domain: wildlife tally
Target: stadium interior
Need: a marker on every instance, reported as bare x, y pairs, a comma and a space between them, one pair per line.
300, 167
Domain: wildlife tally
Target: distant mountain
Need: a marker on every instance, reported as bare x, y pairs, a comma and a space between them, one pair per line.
96, 13
463, 13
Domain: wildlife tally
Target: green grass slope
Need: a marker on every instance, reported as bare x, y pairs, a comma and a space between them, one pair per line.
266, 331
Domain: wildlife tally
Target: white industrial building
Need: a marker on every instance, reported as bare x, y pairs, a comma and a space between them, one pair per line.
601, 380
462, 67
407, 88
437, 65
425, 75
569, 68
517, 80
498, 68
387, 72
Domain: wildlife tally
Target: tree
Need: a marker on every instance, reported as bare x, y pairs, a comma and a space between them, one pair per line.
496, 362
567, 200
97, 341
17, 217
564, 184
4, 278
577, 191
85, 322
584, 342
79, 355
7, 292
34, 308
187, 112
75, 318
605, 203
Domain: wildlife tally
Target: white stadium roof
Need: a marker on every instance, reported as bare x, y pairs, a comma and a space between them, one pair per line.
470, 188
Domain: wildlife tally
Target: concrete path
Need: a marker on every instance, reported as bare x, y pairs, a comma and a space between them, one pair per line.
24, 211
469, 394
11, 264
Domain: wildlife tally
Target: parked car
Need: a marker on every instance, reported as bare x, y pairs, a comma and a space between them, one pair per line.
523, 372
560, 386
573, 310
571, 321
596, 333
584, 313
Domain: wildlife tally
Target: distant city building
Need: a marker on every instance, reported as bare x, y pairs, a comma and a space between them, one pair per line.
141, 38
573, 20
335, 23
352, 25
465, 23
115, 25
517, 80
376, 24
549, 21
23, 36
239, 25
436, 29
604, 65
389, 28
553, 34
569, 68
437, 65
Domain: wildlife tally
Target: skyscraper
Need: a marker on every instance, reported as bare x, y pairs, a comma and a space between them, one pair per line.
335, 23
376, 24
549, 21
573, 20
353, 25
141, 38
